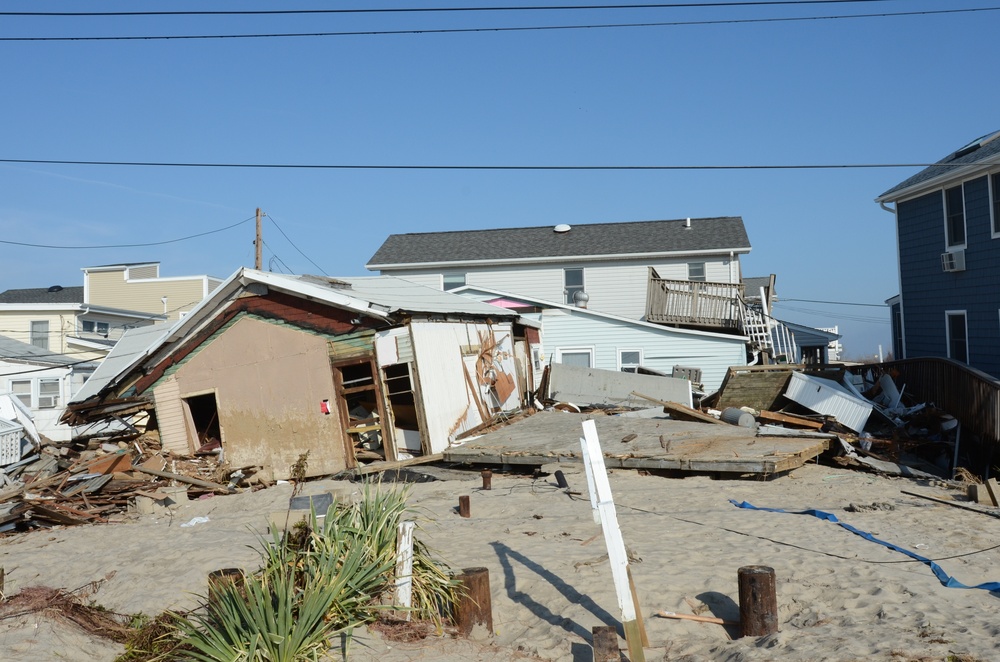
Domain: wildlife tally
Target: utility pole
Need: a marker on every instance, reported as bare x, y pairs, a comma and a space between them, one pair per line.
258, 262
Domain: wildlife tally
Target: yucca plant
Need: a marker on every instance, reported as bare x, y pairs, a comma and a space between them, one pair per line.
324, 580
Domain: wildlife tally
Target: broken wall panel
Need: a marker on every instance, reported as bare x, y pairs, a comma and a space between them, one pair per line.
592, 386
269, 380
830, 398
449, 366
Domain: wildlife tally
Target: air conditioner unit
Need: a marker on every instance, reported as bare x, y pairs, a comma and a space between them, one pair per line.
953, 261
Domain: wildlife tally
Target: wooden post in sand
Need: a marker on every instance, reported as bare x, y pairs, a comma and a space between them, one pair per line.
758, 601
464, 506
475, 605
217, 579
606, 644
404, 569
487, 479
635, 630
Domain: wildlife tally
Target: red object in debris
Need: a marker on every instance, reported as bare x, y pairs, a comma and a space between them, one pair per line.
324, 407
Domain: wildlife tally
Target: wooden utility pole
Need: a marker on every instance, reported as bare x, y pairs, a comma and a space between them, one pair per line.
258, 262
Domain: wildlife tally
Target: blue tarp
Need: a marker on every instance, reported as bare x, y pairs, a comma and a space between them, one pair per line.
938, 571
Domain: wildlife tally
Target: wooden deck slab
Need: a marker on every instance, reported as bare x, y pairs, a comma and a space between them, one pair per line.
548, 437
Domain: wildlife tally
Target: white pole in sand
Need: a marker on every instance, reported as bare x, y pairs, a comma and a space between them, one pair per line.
404, 567
590, 480
618, 557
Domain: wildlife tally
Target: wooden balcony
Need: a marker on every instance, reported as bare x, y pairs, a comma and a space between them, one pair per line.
693, 303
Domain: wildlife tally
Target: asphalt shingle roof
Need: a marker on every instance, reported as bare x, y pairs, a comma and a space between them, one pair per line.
43, 295
989, 149
583, 240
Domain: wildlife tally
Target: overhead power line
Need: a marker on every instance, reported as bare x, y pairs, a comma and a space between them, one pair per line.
151, 243
835, 303
428, 10
386, 166
289, 239
595, 26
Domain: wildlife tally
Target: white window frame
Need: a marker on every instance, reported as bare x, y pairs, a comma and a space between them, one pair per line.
622, 350
51, 401
994, 203
704, 272
42, 335
582, 287
453, 274
965, 221
95, 327
948, 314
577, 350
34, 391
30, 393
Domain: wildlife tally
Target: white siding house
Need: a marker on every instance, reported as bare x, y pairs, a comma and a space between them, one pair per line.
586, 337
609, 262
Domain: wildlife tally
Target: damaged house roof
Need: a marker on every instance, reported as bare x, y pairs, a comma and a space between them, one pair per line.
631, 239
22, 352
383, 297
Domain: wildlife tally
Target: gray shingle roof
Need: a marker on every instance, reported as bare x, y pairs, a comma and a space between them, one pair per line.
585, 240
43, 295
953, 161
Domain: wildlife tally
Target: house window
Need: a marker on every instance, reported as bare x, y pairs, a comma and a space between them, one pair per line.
21, 389
629, 359
995, 200
48, 393
957, 336
40, 334
579, 357
954, 211
696, 271
453, 281
572, 283
89, 326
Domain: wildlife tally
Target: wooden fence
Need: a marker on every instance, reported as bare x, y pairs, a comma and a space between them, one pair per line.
971, 396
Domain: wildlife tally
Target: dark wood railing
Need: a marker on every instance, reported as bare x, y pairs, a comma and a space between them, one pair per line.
970, 395
693, 303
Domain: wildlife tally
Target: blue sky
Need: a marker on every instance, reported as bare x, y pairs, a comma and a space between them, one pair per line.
904, 89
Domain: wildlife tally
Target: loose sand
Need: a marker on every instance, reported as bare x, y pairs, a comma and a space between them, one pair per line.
840, 597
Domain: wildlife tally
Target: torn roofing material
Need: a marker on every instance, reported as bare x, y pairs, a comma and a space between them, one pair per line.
380, 297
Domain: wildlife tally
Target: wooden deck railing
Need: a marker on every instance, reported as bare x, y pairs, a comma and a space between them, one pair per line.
694, 303
971, 396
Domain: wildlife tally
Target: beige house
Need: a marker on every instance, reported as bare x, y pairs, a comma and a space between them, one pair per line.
56, 319
139, 286
85, 322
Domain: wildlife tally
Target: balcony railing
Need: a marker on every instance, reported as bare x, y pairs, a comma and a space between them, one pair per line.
693, 303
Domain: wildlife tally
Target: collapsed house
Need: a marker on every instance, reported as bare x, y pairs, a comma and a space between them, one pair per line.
270, 367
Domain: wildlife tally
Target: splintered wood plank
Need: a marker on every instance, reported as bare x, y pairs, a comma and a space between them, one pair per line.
789, 419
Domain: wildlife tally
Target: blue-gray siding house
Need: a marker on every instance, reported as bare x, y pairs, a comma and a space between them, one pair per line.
948, 235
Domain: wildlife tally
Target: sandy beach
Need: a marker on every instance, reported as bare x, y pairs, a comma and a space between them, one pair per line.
840, 597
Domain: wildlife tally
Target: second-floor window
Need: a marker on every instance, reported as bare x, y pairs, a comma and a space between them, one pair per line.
696, 271
89, 326
954, 216
40, 334
572, 283
453, 280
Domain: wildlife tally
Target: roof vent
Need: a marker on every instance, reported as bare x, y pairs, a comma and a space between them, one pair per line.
687, 223
56, 288
562, 227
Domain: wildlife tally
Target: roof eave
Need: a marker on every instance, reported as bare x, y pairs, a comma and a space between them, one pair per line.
938, 181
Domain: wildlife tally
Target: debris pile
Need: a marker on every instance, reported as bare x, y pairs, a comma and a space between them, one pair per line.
49, 484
